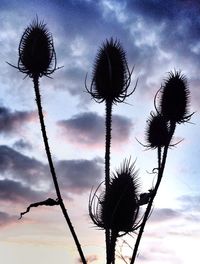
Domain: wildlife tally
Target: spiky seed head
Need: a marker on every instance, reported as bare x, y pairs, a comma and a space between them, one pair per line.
37, 56
111, 75
157, 133
117, 209
175, 98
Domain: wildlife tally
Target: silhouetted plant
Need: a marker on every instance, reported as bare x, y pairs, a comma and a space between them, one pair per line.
111, 75
116, 208
37, 58
174, 107
175, 98
157, 123
110, 82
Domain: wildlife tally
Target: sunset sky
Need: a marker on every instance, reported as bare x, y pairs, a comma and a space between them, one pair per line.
158, 37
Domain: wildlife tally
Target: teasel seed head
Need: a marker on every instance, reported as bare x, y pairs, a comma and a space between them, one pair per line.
175, 97
118, 208
157, 133
111, 75
37, 56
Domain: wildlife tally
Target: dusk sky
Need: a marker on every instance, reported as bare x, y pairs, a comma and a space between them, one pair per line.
158, 37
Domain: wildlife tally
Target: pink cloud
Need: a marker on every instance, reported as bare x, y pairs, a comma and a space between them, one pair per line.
88, 130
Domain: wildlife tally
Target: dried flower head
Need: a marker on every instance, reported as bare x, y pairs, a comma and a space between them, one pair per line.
118, 208
37, 56
175, 98
157, 133
111, 75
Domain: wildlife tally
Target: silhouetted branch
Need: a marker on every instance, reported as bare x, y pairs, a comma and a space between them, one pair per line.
37, 58
161, 166
47, 202
44, 134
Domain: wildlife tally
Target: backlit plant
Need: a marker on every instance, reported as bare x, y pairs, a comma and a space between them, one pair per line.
116, 208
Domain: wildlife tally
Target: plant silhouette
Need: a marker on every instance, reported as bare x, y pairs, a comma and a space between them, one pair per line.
173, 109
116, 209
110, 82
37, 58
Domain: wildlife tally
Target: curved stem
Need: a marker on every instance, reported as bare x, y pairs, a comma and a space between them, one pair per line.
107, 166
161, 166
51, 166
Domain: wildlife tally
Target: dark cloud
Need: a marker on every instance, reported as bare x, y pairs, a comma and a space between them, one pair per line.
22, 144
23, 175
79, 175
6, 219
78, 42
157, 35
71, 79
79, 10
19, 167
11, 122
171, 22
16, 192
88, 128
160, 36
156, 11
184, 219
164, 214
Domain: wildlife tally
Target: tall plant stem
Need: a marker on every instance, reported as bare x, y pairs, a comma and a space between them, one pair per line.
161, 166
113, 241
107, 166
52, 170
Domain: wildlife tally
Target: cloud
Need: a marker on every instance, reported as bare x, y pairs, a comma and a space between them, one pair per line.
172, 42
77, 176
171, 22
74, 42
164, 214
19, 167
156, 36
11, 122
16, 192
6, 219
160, 251
28, 175
22, 144
156, 11
160, 36
25, 180
187, 212
190, 202
88, 129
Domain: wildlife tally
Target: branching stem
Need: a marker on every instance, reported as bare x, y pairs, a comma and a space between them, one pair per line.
161, 166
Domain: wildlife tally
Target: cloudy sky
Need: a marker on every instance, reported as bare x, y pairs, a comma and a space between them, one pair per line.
158, 37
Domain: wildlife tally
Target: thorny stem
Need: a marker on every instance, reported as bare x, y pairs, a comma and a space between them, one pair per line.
52, 170
113, 241
159, 158
161, 166
108, 142
107, 166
